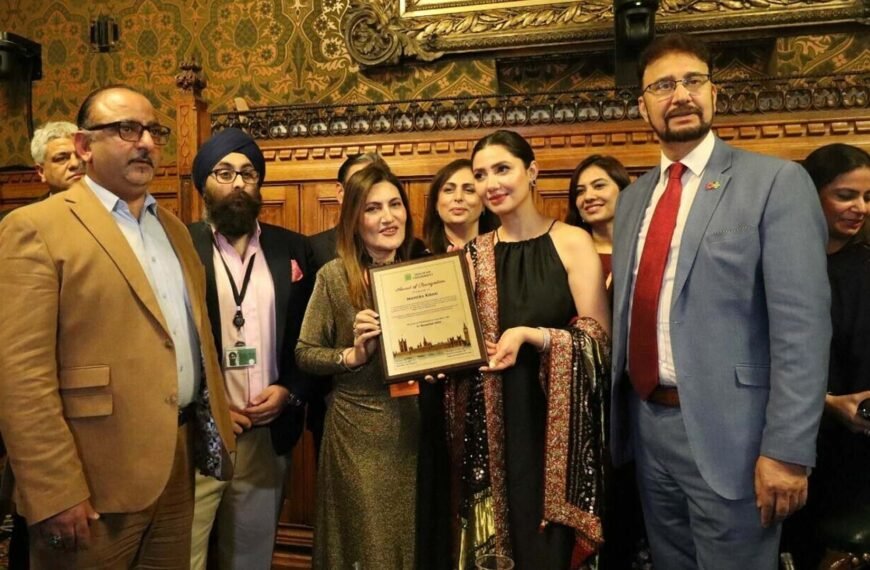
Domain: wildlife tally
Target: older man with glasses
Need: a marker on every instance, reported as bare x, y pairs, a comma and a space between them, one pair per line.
721, 329
110, 387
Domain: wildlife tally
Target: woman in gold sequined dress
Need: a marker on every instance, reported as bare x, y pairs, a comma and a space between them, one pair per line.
367, 478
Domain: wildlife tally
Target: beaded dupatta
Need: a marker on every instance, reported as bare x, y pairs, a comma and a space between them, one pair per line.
574, 377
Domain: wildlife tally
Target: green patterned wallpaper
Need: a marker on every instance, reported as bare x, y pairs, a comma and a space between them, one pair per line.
268, 51
283, 52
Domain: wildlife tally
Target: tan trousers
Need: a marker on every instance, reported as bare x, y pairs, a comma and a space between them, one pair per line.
156, 538
245, 509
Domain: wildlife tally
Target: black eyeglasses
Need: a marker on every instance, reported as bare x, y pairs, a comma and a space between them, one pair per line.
131, 131
666, 87
228, 175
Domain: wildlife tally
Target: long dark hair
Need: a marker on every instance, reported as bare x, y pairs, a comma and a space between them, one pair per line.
433, 225
512, 141
349, 244
611, 166
830, 161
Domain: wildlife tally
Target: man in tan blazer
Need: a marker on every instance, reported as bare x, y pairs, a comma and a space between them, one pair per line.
110, 388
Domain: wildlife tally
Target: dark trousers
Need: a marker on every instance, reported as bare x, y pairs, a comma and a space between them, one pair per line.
19, 545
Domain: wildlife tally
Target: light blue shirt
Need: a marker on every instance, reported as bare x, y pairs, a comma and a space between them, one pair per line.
152, 247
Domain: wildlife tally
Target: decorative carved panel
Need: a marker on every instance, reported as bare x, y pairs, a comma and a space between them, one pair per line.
558, 146
381, 32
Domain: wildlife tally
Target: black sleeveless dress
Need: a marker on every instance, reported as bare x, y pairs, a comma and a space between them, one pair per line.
532, 291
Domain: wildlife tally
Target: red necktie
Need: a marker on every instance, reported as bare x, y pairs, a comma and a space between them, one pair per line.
643, 361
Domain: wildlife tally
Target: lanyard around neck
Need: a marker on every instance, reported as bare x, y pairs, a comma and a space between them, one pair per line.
238, 297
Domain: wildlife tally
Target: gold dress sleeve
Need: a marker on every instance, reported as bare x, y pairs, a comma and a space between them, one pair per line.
318, 349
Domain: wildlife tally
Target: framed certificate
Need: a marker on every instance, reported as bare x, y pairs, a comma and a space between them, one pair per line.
429, 322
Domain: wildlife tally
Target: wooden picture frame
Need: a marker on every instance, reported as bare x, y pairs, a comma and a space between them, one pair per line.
428, 316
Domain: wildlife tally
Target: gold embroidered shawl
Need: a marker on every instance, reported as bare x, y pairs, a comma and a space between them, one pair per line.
574, 375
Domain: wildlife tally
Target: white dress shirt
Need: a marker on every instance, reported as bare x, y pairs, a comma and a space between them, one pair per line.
155, 253
695, 162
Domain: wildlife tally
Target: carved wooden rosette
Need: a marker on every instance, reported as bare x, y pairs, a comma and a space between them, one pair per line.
373, 39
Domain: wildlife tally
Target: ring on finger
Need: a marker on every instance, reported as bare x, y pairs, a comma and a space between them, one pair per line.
55, 541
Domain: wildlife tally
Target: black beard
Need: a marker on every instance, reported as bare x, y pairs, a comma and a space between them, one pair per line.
235, 215
684, 135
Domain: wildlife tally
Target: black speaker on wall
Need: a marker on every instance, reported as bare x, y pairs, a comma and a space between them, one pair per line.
20, 58
634, 24
20, 66
104, 34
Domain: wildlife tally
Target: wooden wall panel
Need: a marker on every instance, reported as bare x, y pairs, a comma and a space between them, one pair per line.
417, 190
304, 169
552, 196
20, 188
319, 206
281, 205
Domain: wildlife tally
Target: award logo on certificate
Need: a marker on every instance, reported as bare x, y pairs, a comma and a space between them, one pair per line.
429, 322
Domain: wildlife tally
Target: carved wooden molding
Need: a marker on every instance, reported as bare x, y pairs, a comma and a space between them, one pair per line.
560, 146
19, 187
381, 32
190, 78
795, 94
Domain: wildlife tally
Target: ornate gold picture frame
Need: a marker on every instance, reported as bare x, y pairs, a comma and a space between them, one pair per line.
382, 32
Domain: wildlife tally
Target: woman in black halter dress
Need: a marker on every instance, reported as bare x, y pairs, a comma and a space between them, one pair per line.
534, 277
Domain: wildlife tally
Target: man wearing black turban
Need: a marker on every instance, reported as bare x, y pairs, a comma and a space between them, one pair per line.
258, 281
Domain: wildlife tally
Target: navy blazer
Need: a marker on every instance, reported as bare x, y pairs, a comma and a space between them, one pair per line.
323, 247
280, 246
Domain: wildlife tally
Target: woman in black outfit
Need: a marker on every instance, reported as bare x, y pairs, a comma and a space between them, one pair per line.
841, 174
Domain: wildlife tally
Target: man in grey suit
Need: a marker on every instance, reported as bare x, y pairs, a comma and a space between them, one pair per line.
721, 329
